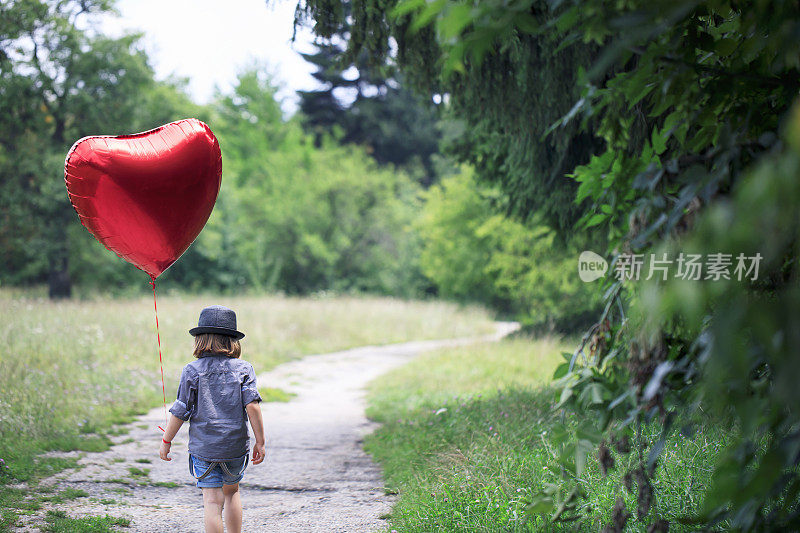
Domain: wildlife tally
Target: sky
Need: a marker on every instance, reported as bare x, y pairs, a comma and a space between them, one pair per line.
210, 41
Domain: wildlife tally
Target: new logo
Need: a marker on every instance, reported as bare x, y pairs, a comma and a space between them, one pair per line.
591, 266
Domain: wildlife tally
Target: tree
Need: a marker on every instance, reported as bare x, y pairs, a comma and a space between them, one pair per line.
472, 252
300, 218
397, 127
322, 110
370, 108
59, 82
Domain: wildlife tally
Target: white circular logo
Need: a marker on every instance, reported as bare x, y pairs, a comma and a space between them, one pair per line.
591, 266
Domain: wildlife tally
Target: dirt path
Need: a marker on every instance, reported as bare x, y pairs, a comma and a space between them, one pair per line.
316, 476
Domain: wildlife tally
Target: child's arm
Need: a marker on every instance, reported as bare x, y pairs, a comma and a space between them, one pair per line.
181, 410
254, 414
173, 426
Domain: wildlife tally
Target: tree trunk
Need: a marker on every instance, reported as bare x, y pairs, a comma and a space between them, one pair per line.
59, 283
58, 280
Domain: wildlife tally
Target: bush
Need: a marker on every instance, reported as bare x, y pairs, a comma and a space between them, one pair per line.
471, 251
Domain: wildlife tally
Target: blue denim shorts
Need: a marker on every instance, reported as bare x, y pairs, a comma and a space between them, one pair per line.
217, 473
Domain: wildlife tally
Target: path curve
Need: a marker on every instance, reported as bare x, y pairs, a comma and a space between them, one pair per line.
316, 476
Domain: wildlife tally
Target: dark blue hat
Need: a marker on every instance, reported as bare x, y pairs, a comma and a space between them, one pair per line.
217, 319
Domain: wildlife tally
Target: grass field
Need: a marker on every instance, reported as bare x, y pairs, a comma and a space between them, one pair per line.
71, 370
465, 441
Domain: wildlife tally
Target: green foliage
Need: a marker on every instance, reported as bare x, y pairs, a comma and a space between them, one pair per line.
501, 108
298, 218
749, 341
686, 113
13, 501
453, 215
690, 114
470, 251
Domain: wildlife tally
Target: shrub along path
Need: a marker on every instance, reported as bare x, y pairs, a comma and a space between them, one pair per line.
316, 476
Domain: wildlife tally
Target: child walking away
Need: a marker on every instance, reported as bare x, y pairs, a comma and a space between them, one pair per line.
215, 393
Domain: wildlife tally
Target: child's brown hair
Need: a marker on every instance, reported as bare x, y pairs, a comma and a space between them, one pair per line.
216, 343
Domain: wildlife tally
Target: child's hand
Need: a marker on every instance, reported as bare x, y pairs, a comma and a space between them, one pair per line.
164, 451
259, 451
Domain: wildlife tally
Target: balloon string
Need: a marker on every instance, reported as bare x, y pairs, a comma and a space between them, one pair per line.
160, 361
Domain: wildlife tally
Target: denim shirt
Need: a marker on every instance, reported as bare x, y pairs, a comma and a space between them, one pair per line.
212, 396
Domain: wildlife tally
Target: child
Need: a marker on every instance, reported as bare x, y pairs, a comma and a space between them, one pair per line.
214, 394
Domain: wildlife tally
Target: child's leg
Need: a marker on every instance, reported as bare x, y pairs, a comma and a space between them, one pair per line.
233, 508
213, 499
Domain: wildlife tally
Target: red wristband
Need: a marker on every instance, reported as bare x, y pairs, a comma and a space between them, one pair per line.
166, 441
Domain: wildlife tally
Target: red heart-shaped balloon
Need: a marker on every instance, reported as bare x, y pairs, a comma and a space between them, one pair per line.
146, 196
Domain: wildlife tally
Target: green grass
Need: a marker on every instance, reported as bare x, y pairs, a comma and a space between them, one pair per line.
65, 495
37, 467
139, 473
86, 443
465, 442
143, 461
59, 522
16, 498
272, 394
168, 484
7, 519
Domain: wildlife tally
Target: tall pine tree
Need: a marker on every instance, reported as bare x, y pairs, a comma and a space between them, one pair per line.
372, 110
321, 110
